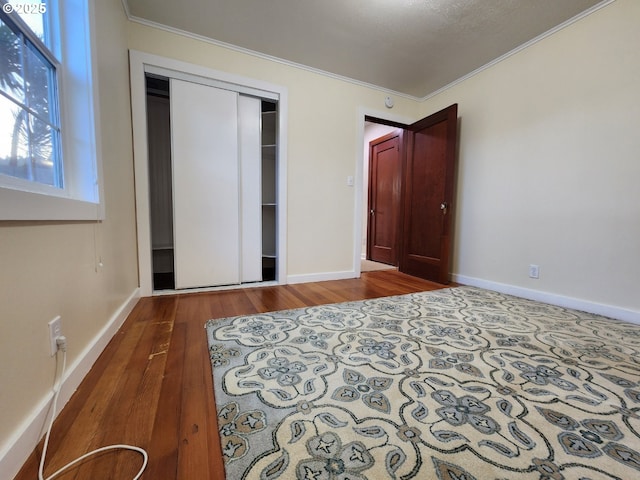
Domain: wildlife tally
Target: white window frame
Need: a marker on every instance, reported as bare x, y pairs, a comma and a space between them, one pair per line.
81, 197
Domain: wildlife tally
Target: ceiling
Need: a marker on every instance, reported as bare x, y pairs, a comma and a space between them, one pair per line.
412, 47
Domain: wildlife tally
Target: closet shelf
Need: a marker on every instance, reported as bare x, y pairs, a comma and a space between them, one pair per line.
162, 247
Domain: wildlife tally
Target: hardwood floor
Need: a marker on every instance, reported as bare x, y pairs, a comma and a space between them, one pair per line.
152, 385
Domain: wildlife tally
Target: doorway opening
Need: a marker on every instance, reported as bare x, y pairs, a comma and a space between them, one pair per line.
376, 130
381, 195
409, 180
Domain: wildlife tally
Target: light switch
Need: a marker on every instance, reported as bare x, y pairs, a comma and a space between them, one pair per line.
350, 180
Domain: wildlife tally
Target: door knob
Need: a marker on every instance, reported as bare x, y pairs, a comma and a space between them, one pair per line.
372, 211
443, 207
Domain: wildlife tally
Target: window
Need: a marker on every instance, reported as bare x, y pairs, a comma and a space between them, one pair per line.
49, 162
29, 120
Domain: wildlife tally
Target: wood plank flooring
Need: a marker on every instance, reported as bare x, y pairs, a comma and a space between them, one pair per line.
152, 385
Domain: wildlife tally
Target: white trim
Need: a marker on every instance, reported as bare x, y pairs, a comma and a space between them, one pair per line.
281, 188
210, 82
125, 7
140, 63
25, 438
96, 133
551, 298
141, 171
38, 206
322, 277
151, 62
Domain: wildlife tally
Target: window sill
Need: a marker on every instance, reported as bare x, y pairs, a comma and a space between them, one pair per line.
20, 205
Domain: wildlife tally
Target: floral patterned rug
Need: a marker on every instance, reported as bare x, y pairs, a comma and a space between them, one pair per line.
460, 383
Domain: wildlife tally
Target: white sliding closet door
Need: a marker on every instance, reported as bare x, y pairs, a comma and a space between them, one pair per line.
206, 209
249, 118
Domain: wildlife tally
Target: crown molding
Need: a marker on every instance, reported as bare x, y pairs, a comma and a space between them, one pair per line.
264, 56
353, 81
125, 7
518, 49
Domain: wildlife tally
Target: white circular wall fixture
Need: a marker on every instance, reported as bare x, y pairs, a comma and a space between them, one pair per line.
388, 102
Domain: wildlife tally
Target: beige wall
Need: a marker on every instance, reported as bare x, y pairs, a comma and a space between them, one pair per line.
549, 164
322, 144
547, 168
548, 174
49, 268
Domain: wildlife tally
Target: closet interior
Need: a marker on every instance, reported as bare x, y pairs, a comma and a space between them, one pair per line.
269, 192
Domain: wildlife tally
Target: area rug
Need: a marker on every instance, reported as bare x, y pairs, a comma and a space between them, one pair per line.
460, 383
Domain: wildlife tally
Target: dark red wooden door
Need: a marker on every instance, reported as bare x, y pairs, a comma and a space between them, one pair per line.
385, 164
427, 196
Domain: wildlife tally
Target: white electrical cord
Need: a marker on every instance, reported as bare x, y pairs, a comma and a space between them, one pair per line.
62, 345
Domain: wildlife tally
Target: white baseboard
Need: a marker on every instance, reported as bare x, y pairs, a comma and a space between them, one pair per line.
551, 298
321, 277
25, 438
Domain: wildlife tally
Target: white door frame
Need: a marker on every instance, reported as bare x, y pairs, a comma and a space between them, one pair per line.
140, 64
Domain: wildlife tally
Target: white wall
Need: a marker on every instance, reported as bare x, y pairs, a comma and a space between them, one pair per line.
549, 165
51, 268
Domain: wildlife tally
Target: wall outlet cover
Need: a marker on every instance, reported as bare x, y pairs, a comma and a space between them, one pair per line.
534, 271
55, 331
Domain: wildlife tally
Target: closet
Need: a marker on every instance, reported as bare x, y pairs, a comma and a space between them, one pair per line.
212, 184
269, 116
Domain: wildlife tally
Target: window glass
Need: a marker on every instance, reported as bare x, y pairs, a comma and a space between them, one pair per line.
11, 77
48, 170
29, 142
39, 76
43, 169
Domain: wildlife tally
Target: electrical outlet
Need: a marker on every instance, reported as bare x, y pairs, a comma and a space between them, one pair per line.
534, 271
55, 331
